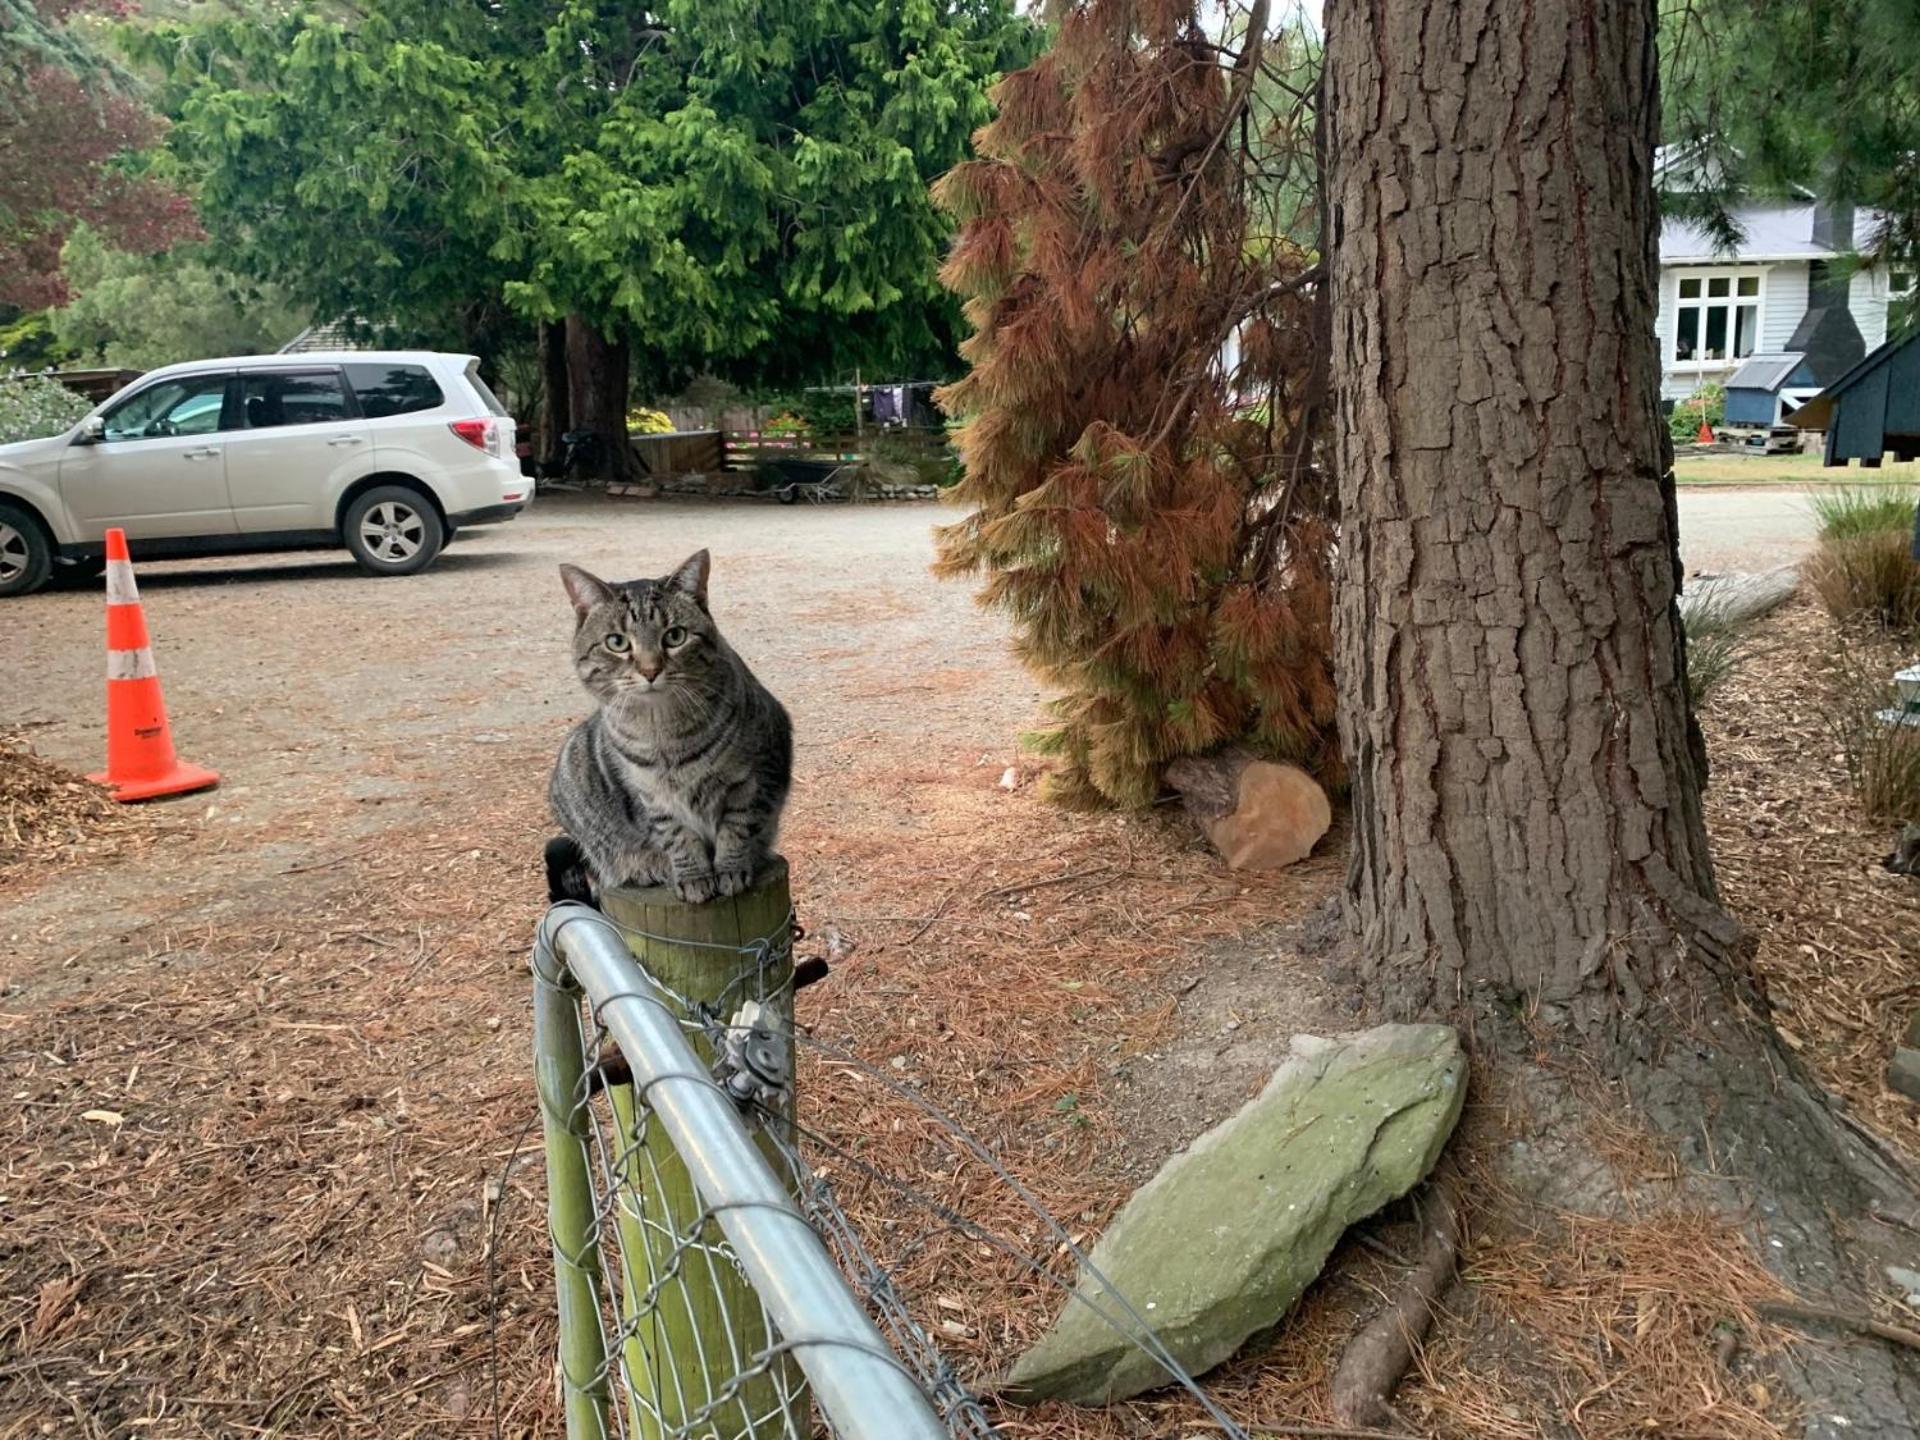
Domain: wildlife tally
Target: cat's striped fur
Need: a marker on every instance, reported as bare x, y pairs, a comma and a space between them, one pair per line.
680, 775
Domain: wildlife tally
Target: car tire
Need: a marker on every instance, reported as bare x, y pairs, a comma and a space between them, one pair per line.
393, 530
26, 554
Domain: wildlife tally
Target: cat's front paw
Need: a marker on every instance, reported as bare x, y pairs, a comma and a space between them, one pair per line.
733, 880
696, 887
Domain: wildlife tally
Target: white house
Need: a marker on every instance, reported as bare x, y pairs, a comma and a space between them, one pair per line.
1779, 317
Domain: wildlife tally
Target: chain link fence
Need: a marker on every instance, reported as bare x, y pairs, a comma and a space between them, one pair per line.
698, 1298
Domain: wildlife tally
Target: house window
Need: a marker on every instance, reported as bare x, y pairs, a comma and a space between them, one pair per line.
1717, 320
1900, 284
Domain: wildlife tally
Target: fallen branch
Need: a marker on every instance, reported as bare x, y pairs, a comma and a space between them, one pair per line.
1379, 1354
1024, 885
1861, 1324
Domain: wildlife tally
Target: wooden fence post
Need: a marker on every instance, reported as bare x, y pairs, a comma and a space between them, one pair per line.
559, 1072
705, 1324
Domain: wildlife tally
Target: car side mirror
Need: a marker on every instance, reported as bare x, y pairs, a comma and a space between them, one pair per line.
92, 431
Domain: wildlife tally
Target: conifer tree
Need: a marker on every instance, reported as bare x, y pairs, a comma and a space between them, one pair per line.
1141, 412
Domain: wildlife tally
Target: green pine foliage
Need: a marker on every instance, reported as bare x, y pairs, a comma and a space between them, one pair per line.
739, 192
1764, 95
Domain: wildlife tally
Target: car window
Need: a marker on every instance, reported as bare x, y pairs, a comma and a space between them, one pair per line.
393, 389
487, 397
315, 397
188, 406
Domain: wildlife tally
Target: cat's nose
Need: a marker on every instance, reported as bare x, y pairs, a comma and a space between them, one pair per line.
650, 672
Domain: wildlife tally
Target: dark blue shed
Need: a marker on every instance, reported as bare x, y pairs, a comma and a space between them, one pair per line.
1872, 409
1764, 387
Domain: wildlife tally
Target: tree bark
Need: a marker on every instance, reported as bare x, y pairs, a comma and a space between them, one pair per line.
1526, 800
556, 407
1526, 774
597, 394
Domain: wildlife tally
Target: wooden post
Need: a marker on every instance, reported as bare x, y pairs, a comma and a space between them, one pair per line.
704, 1324
559, 1070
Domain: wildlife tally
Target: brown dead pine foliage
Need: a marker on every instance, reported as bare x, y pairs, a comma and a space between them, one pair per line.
1141, 413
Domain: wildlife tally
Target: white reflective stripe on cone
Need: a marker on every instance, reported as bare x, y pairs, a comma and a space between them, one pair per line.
131, 664
120, 587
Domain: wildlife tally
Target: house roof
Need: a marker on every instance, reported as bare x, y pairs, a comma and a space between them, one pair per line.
1772, 230
337, 334
1765, 372
1817, 412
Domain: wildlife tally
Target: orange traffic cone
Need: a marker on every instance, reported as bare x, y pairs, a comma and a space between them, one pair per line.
140, 759
1705, 437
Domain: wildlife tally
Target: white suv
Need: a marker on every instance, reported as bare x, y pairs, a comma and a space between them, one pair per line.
386, 452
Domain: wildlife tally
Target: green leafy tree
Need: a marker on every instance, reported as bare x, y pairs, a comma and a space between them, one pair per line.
661, 189
140, 311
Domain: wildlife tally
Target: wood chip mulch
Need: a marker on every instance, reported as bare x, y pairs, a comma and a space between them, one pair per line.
49, 813
1838, 935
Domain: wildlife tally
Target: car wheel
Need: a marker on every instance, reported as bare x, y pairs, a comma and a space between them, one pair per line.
26, 555
393, 530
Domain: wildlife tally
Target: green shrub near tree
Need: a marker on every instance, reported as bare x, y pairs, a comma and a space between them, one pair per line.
33, 406
140, 311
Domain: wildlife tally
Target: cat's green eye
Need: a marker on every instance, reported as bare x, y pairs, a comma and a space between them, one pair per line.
617, 643
675, 637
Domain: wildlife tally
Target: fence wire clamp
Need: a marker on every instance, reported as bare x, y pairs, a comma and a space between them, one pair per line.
756, 1061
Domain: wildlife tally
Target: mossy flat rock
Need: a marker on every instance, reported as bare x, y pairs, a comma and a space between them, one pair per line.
1221, 1243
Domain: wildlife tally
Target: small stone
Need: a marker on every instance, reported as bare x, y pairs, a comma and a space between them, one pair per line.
1903, 1072
1907, 1282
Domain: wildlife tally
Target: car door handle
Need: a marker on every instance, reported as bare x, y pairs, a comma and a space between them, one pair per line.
208, 453
344, 440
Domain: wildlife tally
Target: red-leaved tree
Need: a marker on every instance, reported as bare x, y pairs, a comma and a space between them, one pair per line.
68, 138
1141, 412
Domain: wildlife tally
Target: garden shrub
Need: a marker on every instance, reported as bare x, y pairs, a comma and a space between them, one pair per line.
32, 406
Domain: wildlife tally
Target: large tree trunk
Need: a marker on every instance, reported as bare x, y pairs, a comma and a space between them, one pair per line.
597, 391
556, 407
1526, 800
1528, 834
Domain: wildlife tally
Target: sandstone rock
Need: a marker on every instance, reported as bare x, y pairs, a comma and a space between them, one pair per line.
1258, 815
1219, 1244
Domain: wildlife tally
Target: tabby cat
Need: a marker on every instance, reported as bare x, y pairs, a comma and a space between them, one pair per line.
680, 775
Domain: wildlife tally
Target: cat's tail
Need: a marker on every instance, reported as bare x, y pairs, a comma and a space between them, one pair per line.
567, 877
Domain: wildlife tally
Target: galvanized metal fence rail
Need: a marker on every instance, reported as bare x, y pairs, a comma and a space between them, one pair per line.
697, 1299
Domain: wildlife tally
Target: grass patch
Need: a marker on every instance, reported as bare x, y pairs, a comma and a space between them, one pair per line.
1851, 513
1720, 469
1883, 760
1863, 569
1717, 639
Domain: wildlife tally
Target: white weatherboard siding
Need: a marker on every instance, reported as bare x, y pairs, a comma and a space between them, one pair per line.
1785, 304
1867, 298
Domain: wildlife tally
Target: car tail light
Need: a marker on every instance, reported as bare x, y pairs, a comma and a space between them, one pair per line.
481, 434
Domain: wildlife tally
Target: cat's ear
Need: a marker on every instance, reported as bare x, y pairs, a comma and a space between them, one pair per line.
584, 590
691, 577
